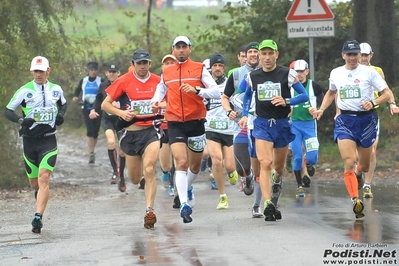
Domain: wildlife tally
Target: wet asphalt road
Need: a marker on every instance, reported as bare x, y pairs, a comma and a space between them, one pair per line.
102, 226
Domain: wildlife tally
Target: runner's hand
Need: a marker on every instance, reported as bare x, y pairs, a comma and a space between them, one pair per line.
27, 122
59, 120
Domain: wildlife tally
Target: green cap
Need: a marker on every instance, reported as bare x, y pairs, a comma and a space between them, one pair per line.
268, 44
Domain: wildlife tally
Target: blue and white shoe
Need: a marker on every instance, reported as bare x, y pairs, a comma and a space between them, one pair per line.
214, 186
190, 196
204, 164
165, 179
185, 213
171, 191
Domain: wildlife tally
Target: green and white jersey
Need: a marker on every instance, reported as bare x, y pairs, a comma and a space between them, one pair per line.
39, 102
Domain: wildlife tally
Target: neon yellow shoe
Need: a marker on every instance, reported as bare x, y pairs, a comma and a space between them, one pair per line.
223, 203
367, 193
233, 177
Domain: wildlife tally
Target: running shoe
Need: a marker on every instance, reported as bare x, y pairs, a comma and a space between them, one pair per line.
367, 192
37, 223
276, 186
165, 179
300, 193
150, 218
223, 203
270, 212
114, 179
214, 186
358, 208
249, 185
306, 181
142, 183
176, 202
256, 213
311, 169
185, 213
233, 177
171, 191
191, 197
204, 164
92, 157
121, 184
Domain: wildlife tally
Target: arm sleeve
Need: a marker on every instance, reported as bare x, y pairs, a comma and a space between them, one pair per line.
160, 91
62, 108
78, 89
211, 88
99, 97
302, 95
11, 115
246, 105
229, 88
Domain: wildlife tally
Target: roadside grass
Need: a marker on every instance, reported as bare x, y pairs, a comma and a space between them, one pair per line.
112, 27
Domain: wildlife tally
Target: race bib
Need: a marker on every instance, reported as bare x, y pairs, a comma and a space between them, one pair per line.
141, 107
219, 123
312, 144
350, 92
267, 91
196, 143
44, 115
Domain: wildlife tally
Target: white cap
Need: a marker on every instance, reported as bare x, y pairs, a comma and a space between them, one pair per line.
39, 63
168, 56
300, 65
365, 48
181, 39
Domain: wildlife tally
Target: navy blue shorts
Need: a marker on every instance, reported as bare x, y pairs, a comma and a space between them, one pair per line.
277, 131
361, 129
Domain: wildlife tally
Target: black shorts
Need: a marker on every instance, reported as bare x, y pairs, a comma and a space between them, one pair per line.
39, 153
192, 133
134, 143
109, 122
92, 125
165, 137
224, 139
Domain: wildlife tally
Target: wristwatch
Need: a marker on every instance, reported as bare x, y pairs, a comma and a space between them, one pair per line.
374, 102
287, 101
228, 112
197, 90
392, 103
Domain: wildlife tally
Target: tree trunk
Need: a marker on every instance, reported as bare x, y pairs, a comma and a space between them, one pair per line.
374, 22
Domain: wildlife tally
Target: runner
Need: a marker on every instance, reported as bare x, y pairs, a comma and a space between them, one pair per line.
187, 83
141, 140
220, 133
355, 127
117, 159
272, 131
89, 88
43, 108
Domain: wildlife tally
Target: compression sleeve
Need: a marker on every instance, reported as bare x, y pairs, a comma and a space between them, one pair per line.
247, 101
62, 108
302, 94
11, 115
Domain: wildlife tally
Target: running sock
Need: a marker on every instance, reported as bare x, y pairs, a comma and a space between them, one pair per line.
190, 178
112, 158
181, 185
122, 162
223, 195
298, 177
351, 184
257, 193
